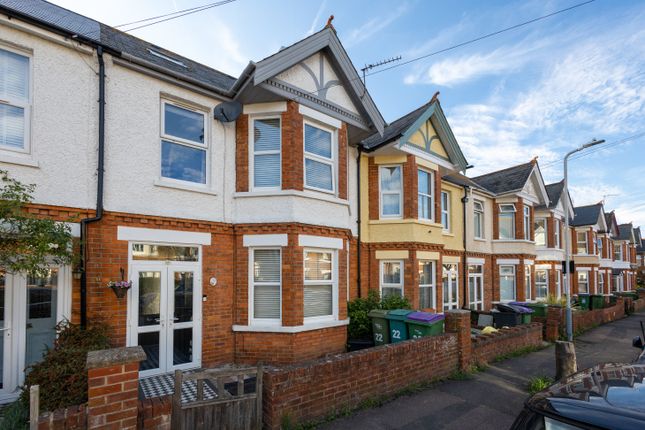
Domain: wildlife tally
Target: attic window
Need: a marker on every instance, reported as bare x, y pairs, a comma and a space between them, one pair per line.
166, 57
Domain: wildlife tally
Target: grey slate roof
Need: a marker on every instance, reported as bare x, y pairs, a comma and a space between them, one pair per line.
554, 191
50, 15
639, 239
396, 129
586, 215
461, 180
506, 180
625, 231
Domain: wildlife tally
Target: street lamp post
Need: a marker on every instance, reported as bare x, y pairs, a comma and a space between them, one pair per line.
567, 236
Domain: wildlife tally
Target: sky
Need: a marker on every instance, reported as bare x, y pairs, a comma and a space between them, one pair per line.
539, 90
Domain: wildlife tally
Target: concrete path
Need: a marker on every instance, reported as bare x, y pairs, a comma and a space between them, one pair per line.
492, 399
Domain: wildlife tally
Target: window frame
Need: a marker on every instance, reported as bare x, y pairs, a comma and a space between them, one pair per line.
546, 231
545, 284
446, 211
502, 213
512, 266
599, 247
318, 158
26, 105
380, 191
558, 283
600, 280
528, 278
478, 219
175, 140
383, 284
556, 233
479, 303
430, 196
333, 282
586, 273
527, 222
432, 285
252, 152
453, 303
252, 284
578, 233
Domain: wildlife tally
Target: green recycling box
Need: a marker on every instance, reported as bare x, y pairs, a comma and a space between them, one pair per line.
597, 301
380, 326
584, 300
539, 309
421, 324
398, 328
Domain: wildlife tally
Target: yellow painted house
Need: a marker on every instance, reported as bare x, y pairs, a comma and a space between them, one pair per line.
412, 211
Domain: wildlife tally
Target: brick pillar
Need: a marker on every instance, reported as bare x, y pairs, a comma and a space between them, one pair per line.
520, 291
458, 321
519, 219
113, 387
554, 319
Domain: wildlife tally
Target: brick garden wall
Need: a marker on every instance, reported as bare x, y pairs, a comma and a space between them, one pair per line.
485, 348
555, 323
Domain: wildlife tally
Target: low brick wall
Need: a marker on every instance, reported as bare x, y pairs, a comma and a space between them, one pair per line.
308, 392
155, 413
555, 326
639, 304
487, 347
71, 418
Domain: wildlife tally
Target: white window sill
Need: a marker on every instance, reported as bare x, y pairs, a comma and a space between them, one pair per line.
14, 158
184, 187
447, 233
291, 193
514, 241
480, 239
308, 326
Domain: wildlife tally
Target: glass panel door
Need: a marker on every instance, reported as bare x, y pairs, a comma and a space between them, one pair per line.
149, 303
42, 304
450, 290
182, 302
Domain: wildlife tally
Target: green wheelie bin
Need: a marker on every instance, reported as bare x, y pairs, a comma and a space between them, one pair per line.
398, 327
380, 326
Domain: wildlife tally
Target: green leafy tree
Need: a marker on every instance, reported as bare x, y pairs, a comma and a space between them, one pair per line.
28, 244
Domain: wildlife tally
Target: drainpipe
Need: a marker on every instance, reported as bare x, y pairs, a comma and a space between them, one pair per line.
99, 187
358, 220
464, 269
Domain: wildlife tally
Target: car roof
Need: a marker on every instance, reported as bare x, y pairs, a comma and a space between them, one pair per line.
610, 395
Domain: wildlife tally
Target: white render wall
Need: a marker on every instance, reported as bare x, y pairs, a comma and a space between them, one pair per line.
64, 114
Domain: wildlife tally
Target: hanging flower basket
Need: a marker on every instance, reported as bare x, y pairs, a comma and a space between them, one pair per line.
120, 288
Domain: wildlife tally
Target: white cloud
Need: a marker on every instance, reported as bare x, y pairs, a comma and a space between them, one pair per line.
373, 26
314, 23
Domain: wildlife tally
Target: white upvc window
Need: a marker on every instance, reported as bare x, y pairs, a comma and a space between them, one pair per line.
527, 282
556, 233
320, 157
15, 101
478, 217
600, 282
427, 284
445, 210
527, 222
541, 283
450, 278
266, 155
184, 144
426, 195
558, 283
391, 278
265, 279
583, 282
391, 191
507, 282
506, 220
599, 246
581, 242
320, 285
618, 252
476, 286
541, 232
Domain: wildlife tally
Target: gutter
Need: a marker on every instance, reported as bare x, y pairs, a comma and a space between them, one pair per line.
99, 187
358, 219
464, 266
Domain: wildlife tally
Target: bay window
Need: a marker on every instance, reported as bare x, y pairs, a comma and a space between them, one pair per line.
540, 232
527, 223
581, 242
319, 158
426, 194
266, 279
601, 283
583, 282
506, 220
478, 208
556, 233
527, 282
184, 146
14, 101
445, 210
507, 282
266, 156
599, 246
392, 278
391, 197
320, 283
427, 286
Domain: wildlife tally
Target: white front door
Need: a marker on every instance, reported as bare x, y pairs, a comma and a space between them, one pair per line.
450, 287
165, 312
30, 308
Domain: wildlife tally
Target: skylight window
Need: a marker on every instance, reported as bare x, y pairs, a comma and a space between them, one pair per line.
167, 58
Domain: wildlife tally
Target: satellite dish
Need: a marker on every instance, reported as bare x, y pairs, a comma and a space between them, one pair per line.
227, 111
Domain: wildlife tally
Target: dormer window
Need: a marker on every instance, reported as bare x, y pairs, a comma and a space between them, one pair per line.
506, 221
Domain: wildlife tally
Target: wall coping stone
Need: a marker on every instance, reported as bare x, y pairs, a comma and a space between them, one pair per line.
114, 356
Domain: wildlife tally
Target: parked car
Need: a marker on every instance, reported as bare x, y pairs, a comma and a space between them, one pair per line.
606, 396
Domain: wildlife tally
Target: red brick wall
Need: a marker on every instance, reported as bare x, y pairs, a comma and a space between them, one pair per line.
487, 347
155, 413
292, 148
410, 188
519, 219
550, 227
373, 190
70, 418
242, 153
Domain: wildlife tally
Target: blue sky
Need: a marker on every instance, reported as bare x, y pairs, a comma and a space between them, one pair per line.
540, 90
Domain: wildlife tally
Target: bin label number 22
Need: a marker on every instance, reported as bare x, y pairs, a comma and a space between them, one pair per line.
378, 337
396, 334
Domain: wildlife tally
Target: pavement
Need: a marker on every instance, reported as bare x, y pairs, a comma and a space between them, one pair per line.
493, 398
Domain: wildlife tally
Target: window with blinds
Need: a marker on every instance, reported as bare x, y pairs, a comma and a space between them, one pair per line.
319, 284
319, 158
14, 101
266, 275
391, 191
266, 153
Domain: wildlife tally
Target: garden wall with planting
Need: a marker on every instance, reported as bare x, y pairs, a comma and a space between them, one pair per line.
487, 347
